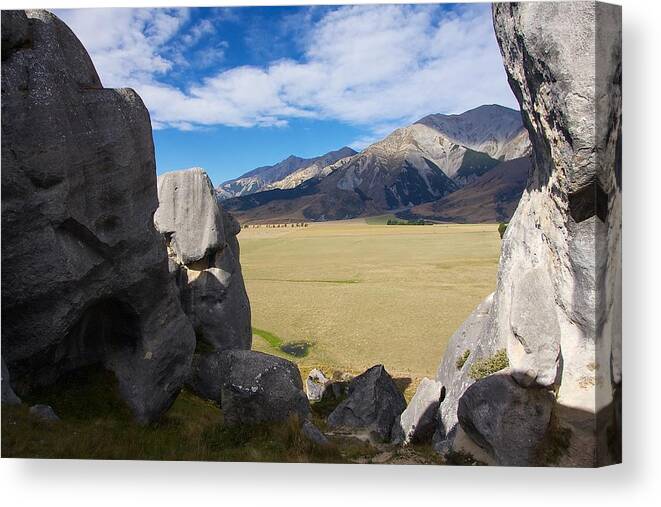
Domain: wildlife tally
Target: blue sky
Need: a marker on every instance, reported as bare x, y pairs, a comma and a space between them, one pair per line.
231, 89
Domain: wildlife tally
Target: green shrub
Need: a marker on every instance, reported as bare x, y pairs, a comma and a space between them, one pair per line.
502, 227
461, 360
483, 367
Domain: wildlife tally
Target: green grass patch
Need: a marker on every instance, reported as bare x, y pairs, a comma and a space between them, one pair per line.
300, 348
273, 340
502, 227
483, 367
461, 360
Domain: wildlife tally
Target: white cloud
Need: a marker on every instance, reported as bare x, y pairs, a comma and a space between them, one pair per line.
373, 66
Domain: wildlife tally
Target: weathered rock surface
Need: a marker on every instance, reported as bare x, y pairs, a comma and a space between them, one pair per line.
475, 336
535, 326
314, 434
44, 413
418, 422
567, 226
373, 405
206, 379
204, 254
505, 419
316, 384
189, 215
259, 388
8, 395
85, 277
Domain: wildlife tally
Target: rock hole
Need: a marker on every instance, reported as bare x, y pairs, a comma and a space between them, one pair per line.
588, 201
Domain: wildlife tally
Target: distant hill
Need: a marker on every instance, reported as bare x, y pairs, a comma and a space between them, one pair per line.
492, 197
426, 161
285, 174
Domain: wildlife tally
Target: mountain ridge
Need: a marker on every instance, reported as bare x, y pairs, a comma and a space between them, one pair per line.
419, 163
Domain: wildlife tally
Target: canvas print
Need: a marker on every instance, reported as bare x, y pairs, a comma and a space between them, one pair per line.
370, 234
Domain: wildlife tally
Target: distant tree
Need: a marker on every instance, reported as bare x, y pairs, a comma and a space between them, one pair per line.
502, 227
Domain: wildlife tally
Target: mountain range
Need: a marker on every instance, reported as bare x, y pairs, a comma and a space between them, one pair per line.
430, 161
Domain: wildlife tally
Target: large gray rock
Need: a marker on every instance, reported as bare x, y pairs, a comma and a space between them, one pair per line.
259, 388
506, 420
204, 254
563, 61
8, 395
374, 404
84, 272
418, 422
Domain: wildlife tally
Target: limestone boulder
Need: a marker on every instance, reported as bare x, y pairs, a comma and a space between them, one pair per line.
188, 215
315, 384
506, 420
84, 272
564, 63
204, 258
557, 304
373, 405
418, 422
258, 388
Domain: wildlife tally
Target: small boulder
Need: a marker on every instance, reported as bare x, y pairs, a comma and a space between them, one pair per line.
374, 404
44, 413
314, 434
258, 387
8, 395
418, 422
506, 420
316, 385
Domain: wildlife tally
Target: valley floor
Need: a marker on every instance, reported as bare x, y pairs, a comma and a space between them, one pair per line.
341, 296
361, 292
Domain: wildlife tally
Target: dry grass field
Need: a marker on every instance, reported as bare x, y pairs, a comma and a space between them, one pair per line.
365, 293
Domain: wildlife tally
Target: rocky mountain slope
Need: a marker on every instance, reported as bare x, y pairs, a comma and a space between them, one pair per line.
281, 175
416, 164
489, 198
491, 129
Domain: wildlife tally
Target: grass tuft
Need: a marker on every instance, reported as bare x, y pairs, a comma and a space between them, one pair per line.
461, 360
483, 367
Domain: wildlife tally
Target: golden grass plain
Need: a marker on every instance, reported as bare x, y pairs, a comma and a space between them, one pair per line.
367, 294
